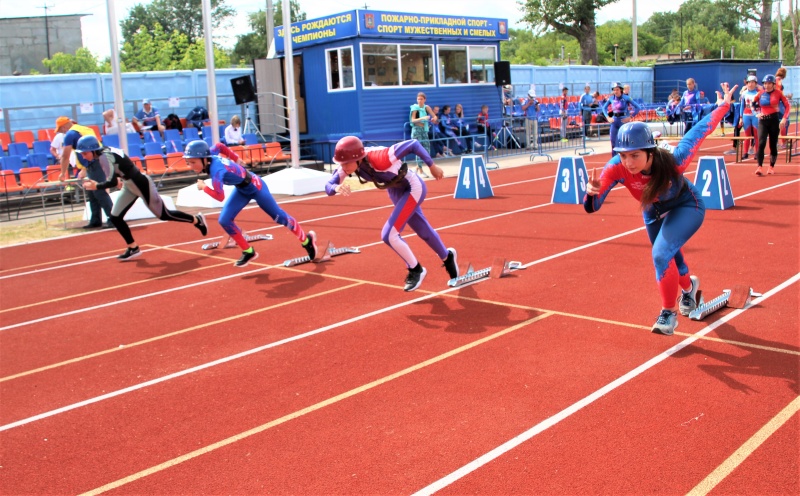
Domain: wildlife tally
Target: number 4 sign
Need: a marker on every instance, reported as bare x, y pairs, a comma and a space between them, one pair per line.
473, 182
713, 183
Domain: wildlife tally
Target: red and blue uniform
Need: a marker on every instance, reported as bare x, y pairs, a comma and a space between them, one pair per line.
247, 186
749, 119
676, 214
384, 166
768, 104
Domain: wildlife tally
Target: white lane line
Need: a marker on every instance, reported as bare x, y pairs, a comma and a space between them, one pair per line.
588, 400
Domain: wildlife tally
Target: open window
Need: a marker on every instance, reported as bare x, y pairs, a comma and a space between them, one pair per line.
340, 68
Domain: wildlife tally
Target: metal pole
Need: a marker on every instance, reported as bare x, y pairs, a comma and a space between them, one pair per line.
635, 54
291, 103
116, 75
210, 74
270, 24
780, 33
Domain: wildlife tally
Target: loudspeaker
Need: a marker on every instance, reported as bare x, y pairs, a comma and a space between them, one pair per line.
502, 73
243, 91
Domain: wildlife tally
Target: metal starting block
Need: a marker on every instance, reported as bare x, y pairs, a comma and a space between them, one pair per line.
231, 243
499, 268
327, 253
738, 297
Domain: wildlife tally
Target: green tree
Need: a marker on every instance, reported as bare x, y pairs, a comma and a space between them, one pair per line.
621, 34
253, 45
82, 61
161, 51
183, 16
575, 18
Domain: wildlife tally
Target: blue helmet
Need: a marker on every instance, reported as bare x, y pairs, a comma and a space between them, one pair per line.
88, 143
197, 149
616, 85
769, 78
634, 136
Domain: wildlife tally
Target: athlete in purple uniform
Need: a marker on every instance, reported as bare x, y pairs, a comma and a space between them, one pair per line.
384, 167
617, 113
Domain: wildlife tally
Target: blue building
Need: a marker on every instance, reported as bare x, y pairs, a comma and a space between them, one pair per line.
359, 72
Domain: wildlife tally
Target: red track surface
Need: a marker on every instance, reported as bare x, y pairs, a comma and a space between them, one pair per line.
177, 373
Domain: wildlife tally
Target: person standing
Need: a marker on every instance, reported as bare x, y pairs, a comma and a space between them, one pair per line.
531, 108
585, 103
384, 168
563, 107
421, 117
672, 206
248, 186
135, 185
616, 111
766, 106
690, 105
747, 116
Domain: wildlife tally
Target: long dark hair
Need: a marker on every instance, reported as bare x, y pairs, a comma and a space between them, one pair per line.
663, 173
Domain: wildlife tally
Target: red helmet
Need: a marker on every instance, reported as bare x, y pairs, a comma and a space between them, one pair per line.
349, 149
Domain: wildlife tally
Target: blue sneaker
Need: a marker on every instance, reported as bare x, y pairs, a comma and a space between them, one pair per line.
666, 323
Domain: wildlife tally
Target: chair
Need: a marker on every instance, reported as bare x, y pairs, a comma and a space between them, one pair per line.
12, 163
172, 135
134, 151
137, 161
52, 173
32, 178
207, 132
38, 160
111, 140
154, 164
43, 147
134, 139
273, 152
176, 163
254, 154
8, 183
250, 139
190, 134
5, 140
24, 137
46, 134
152, 137
174, 147
18, 149
151, 148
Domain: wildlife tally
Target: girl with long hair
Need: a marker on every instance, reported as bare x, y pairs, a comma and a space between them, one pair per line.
672, 207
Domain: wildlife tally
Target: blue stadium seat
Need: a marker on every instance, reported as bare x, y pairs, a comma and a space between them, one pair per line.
175, 146
152, 137
12, 163
250, 139
134, 150
134, 139
151, 148
43, 147
18, 149
172, 135
111, 140
38, 160
190, 134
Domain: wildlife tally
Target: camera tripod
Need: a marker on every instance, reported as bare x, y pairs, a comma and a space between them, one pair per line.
505, 137
249, 126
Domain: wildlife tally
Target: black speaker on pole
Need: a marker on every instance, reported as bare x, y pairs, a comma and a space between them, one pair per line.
502, 73
243, 91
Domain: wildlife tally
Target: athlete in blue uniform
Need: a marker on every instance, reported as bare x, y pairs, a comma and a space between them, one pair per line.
617, 113
248, 187
672, 207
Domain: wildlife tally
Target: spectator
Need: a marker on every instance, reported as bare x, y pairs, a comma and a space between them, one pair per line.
483, 123
626, 90
586, 102
673, 111
530, 106
563, 106
148, 117
689, 104
616, 110
450, 128
173, 122
197, 116
463, 128
111, 126
436, 136
421, 117
233, 132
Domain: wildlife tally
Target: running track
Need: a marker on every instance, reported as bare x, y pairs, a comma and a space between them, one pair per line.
176, 373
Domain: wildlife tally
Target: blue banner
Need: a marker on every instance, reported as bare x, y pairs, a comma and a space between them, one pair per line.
322, 30
392, 25
405, 25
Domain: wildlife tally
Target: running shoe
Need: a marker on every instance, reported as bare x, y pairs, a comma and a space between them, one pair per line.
771, 171
666, 323
415, 277
247, 256
758, 171
311, 245
129, 254
451, 263
687, 301
201, 224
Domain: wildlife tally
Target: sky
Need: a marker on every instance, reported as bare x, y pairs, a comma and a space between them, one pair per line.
96, 36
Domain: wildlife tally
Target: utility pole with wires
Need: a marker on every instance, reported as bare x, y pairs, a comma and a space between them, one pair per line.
46, 28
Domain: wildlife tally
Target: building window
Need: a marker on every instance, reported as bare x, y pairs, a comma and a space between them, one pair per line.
397, 65
453, 65
340, 68
481, 61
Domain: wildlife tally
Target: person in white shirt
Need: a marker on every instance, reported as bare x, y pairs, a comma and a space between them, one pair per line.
110, 125
57, 148
233, 133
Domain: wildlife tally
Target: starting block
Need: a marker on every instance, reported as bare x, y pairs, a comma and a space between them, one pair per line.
231, 243
570, 183
327, 253
738, 297
499, 268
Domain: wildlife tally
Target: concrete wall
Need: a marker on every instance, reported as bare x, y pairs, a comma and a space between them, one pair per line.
24, 41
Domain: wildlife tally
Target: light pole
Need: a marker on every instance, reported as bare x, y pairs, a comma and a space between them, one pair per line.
562, 52
615, 53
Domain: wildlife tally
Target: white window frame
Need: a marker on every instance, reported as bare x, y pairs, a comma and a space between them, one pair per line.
399, 84
469, 61
340, 68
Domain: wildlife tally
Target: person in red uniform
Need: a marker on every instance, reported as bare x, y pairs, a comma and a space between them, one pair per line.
672, 207
770, 121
